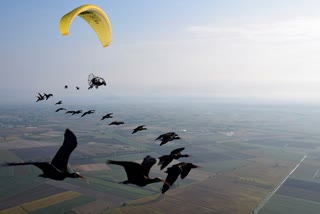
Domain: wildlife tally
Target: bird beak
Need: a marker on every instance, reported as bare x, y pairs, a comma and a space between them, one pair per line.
84, 178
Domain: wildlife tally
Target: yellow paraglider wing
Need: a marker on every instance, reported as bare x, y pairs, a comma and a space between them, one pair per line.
94, 16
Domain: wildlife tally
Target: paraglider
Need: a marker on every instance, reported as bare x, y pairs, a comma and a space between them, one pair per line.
95, 81
94, 16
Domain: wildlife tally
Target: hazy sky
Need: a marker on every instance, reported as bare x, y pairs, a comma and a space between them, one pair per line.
266, 49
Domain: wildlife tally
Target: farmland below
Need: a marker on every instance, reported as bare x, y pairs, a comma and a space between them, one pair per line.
244, 152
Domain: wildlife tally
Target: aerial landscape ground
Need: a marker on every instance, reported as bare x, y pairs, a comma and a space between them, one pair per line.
245, 152
234, 85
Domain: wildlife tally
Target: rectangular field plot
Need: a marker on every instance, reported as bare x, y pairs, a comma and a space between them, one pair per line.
65, 206
222, 166
40, 191
13, 185
49, 201
219, 194
13, 210
280, 204
35, 153
44, 202
41, 153
307, 172
300, 189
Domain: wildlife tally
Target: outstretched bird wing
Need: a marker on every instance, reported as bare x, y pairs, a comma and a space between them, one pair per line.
165, 140
186, 168
164, 161
185, 172
60, 160
173, 174
160, 136
46, 167
176, 151
135, 130
134, 170
147, 163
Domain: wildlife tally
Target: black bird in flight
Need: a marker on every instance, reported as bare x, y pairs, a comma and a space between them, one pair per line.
70, 112
77, 88
40, 97
66, 86
77, 112
107, 116
174, 171
88, 112
165, 160
139, 128
164, 135
116, 123
59, 109
138, 174
165, 138
59, 103
58, 168
47, 96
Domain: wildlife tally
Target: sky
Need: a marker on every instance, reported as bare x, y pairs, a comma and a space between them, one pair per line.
210, 49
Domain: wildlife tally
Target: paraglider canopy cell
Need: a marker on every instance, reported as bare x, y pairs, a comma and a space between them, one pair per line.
94, 16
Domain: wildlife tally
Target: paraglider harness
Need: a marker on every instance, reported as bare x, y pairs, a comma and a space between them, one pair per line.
97, 81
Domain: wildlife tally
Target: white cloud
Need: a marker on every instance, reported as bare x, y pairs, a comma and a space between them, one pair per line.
296, 30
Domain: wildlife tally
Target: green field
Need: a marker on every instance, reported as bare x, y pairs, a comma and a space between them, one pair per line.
64, 206
280, 204
245, 165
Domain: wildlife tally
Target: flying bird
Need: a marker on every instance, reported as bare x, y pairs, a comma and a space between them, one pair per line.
138, 174
59, 103
77, 112
165, 138
60, 109
165, 160
66, 86
88, 112
40, 97
47, 96
116, 123
139, 128
165, 135
70, 112
174, 171
107, 116
58, 169
77, 88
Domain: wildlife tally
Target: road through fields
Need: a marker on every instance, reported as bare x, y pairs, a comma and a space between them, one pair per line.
266, 199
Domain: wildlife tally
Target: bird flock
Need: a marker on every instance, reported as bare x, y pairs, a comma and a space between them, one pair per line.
137, 174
